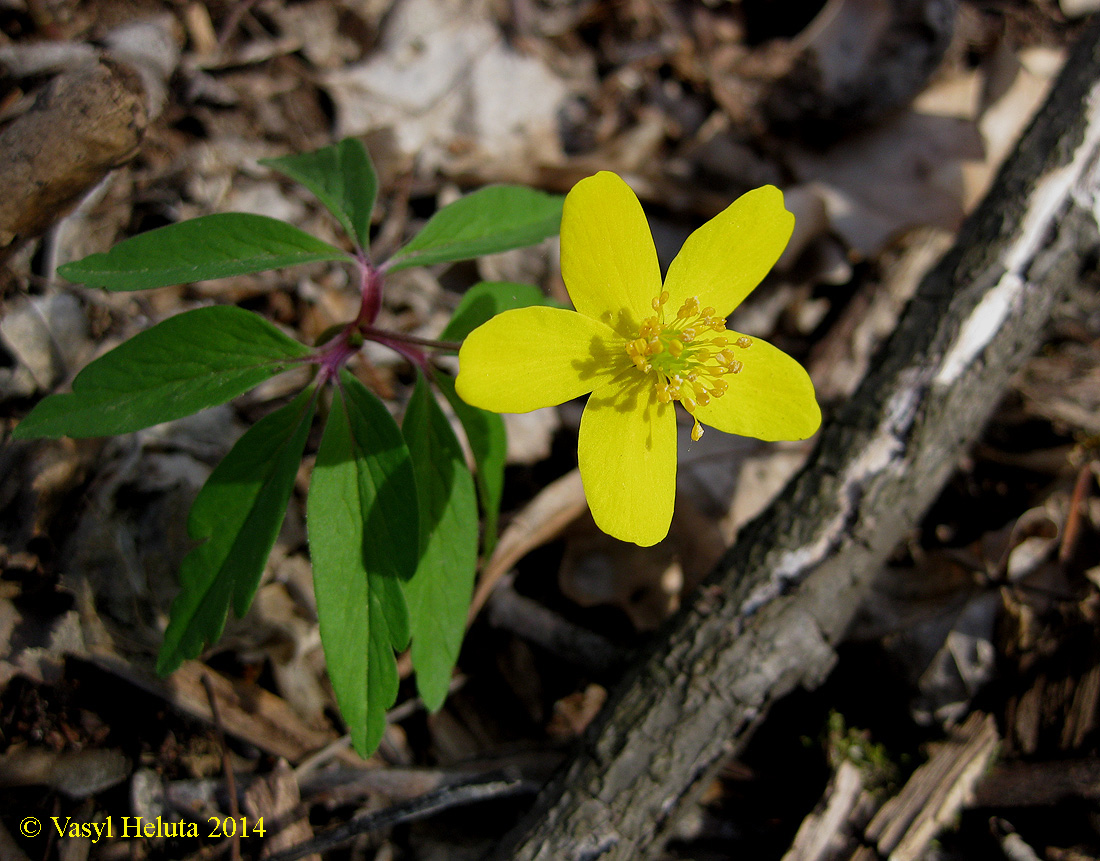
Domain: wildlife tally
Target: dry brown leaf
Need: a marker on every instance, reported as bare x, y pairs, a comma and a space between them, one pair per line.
273, 797
902, 174
455, 94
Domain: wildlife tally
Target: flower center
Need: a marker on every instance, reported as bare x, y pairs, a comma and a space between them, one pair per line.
689, 365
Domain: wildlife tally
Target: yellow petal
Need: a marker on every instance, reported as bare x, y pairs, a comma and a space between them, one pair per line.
771, 398
724, 260
608, 261
528, 358
627, 458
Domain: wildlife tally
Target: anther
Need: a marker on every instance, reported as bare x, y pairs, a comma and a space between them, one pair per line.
690, 307
696, 431
743, 342
736, 366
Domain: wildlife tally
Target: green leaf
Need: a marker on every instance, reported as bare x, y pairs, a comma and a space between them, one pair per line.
364, 540
489, 444
495, 218
237, 516
439, 592
343, 179
195, 360
485, 300
211, 246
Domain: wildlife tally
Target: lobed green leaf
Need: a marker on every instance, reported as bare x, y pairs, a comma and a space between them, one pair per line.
187, 363
211, 246
485, 300
492, 219
438, 594
364, 540
237, 516
343, 179
489, 443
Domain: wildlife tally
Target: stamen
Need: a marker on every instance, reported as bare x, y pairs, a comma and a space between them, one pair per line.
688, 366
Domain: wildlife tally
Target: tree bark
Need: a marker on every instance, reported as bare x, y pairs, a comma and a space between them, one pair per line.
780, 600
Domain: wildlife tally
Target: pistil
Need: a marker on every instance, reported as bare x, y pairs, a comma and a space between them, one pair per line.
688, 365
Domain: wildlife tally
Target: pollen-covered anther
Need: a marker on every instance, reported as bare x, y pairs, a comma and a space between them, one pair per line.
687, 365
689, 309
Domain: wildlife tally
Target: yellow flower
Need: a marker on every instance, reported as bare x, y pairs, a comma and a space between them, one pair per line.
638, 346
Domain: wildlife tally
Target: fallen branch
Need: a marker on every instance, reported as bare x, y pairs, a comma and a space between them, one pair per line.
769, 618
86, 122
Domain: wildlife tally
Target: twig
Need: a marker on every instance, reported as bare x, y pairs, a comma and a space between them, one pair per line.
538, 624
497, 786
1073, 517
227, 767
233, 20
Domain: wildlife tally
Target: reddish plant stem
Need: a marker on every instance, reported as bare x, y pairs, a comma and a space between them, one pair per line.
370, 280
416, 356
373, 334
333, 355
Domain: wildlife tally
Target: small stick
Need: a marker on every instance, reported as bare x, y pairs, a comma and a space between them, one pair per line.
1073, 516
227, 766
495, 786
233, 20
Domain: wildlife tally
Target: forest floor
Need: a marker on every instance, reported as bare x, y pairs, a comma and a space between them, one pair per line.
967, 692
